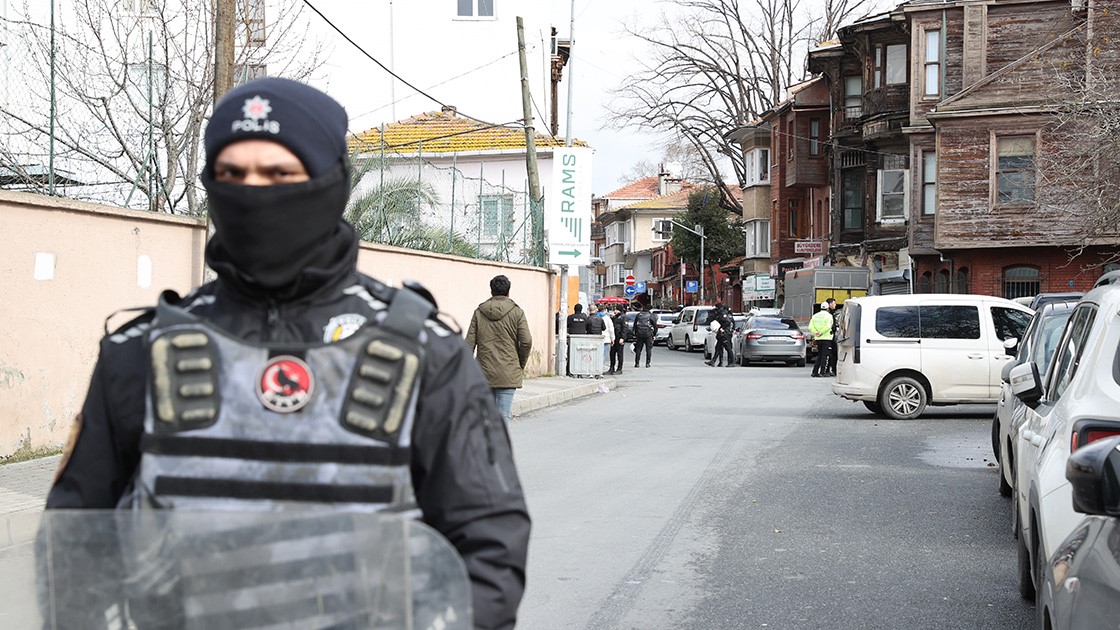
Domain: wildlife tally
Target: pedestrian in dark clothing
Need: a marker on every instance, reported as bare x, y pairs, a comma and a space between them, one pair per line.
722, 316
619, 342
835, 329
577, 321
594, 322
294, 380
643, 335
577, 325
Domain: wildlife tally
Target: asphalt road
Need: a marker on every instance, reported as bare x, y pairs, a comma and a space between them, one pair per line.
698, 497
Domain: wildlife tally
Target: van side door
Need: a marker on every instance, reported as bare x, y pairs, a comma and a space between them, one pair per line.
955, 355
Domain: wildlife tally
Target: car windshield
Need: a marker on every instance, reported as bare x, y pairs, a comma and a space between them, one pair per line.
665, 317
774, 323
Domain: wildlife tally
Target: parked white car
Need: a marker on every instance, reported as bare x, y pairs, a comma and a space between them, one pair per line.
1077, 401
899, 353
1037, 346
710, 341
691, 329
664, 327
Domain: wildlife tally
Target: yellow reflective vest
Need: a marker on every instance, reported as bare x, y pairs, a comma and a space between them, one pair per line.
821, 324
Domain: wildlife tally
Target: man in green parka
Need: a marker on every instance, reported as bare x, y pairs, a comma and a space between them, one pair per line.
499, 335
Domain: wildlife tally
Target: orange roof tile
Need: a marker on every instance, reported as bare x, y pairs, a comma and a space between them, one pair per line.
677, 200
445, 132
644, 188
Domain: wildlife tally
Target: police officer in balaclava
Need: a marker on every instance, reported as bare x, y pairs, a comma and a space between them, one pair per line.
338, 391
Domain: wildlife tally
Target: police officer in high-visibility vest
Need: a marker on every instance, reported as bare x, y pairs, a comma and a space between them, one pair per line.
821, 328
293, 380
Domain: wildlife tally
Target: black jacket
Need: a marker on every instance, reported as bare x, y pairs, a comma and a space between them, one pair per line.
577, 324
462, 464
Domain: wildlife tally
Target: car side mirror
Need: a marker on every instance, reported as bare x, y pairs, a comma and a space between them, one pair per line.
1094, 474
1005, 374
1011, 346
1025, 384
677, 319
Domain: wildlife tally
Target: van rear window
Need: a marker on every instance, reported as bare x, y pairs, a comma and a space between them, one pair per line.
897, 321
928, 322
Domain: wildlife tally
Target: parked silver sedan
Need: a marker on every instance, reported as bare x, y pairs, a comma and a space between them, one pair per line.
769, 338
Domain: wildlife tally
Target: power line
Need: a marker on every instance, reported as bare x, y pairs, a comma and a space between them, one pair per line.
386, 68
458, 76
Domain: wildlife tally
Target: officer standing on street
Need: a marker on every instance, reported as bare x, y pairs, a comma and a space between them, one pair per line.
293, 380
821, 327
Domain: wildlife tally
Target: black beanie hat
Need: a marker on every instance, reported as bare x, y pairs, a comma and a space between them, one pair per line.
306, 121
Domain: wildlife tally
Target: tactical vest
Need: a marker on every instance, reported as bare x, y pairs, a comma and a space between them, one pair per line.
237, 426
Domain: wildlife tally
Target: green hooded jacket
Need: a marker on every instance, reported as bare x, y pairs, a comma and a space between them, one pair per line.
499, 335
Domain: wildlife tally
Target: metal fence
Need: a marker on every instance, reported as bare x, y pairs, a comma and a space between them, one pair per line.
125, 130
436, 203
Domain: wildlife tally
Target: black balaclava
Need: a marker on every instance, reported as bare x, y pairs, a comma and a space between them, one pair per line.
281, 241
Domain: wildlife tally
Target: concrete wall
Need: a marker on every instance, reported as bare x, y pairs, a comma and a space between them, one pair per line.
66, 266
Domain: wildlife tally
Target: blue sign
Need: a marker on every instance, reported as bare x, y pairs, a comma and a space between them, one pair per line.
629, 291
640, 287
692, 286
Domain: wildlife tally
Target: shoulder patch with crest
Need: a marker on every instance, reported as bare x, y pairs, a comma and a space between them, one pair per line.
342, 326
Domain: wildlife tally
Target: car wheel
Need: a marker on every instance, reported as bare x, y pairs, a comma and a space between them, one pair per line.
1026, 583
801, 362
688, 347
903, 398
873, 406
669, 343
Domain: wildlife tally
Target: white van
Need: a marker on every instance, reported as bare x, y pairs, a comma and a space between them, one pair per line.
899, 353
690, 329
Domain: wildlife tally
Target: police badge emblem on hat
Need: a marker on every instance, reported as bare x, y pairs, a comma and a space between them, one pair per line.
342, 326
285, 384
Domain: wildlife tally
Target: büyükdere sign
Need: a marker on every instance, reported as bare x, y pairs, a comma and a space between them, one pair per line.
808, 247
568, 207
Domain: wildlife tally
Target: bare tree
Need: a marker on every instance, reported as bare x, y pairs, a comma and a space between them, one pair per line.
691, 165
1079, 165
714, 65
132, 91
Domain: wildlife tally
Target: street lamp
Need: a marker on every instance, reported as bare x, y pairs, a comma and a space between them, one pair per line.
699, 231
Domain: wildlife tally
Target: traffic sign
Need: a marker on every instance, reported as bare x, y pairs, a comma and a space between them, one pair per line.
629, 291
692, 286
629, 280
640, 287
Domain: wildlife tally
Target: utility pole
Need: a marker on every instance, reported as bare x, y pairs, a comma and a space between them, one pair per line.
225, 30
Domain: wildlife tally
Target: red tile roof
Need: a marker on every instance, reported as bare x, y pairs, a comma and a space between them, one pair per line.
644, 188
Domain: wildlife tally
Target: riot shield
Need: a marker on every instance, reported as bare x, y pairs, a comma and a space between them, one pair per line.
217, 570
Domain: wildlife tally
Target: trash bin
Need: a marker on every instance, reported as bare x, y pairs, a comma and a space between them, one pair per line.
585, 355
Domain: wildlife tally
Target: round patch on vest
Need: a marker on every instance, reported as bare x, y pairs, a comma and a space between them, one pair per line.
342, 326
285, 384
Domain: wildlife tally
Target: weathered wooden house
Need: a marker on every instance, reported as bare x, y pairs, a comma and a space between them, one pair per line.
995, 215
944, 168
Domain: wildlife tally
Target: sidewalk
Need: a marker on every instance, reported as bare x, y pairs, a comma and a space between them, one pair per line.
23, 486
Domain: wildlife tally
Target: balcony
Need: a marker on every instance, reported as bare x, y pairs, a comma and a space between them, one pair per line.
890, 99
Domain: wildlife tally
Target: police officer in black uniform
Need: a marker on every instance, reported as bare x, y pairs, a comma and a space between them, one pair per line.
293, 380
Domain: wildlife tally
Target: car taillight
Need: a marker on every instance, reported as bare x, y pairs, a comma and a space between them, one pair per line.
798, 336
754, 336
1089, 432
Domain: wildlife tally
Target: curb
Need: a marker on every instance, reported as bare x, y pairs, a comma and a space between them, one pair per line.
523, 405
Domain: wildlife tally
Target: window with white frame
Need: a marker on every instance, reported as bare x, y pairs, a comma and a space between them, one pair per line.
497, 216
616, 233
758, 167
662, 230
616, 274
1014, 170
929, 182
932, 63
476, 8
758, 238
243, 73
252, 17
893, 192
138, 6
147, 80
